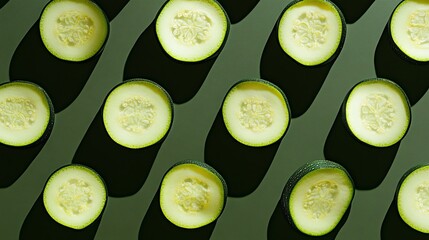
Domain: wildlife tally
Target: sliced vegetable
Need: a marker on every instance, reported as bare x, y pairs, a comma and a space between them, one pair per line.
73, 30
75, 196
137, 113
316, 197
312, 32
26, 113
377, 112
192, 30
256, 112
192, 194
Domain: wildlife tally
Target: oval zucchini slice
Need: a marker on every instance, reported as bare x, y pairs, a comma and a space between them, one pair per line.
137, 113
256, 112
192, 30
377, 112
316, 197
409, 29
311, 32
75, 196
26, 113
192, 194
413, 198
73, 30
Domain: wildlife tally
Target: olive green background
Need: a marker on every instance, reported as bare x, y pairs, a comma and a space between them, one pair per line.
244, 218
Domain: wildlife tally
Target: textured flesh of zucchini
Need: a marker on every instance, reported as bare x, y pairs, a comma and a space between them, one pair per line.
409, 29
137, 113
73, 30
25, 113
74, 196
256, 113
310, 31
191, 30
378, 113
413, 199
192, 196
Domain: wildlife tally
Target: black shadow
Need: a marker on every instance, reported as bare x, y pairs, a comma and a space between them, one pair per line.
345, 149
395, 228
391, 64
156, 226
353, 10
3, 2
279, 228
123, 169
237, 10
242, 167
181, 80
39, 225
111, 8
300, 83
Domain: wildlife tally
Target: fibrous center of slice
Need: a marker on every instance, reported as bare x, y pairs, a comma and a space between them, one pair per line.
75, 196
377, 112
422, 197
17, 113
418, 28
191, 27
74, 28
192, 195
136, 114
310, 29
320, 199
256, 114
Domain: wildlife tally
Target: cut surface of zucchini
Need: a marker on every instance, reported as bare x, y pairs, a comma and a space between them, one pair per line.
75, 196
311, 31
192, 194
413, 198
73, 30
409, 29
316, 197
377, 112
256, 112
137, 113
192, 30
26, 113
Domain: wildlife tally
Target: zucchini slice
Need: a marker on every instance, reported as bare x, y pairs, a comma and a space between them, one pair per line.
137, 113
26, 113
413, 198
409, 29
192, 194
75, 196
311, 32
192, 30
316, 197
377, 112
73, 30
256, 112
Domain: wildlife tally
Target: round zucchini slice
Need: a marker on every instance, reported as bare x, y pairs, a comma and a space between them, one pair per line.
316, 197
377, 112
26, 113
409, 29
413, 198
311, 32
73, 30
256, 112
75, 196
137, 113
192, 194
192, 30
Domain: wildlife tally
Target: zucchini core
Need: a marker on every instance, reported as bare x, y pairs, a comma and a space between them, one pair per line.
311, 31
73, 30
191, 30
256, 112
192, 194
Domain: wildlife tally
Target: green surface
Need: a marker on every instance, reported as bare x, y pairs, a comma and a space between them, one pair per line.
239, 59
